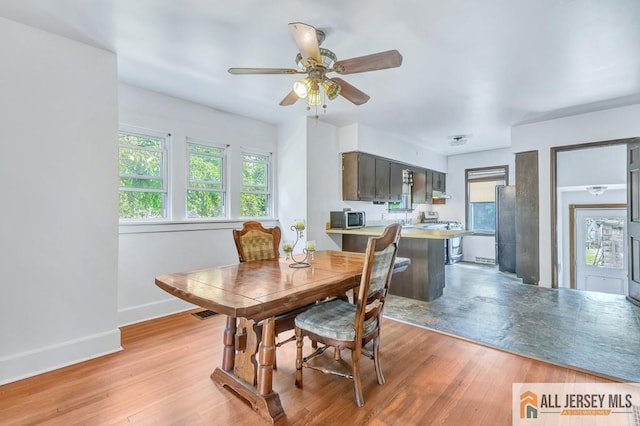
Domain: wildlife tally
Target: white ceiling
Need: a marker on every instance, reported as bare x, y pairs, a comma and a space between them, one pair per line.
473, 67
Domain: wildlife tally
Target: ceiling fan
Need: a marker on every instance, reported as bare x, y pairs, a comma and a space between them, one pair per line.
317, 62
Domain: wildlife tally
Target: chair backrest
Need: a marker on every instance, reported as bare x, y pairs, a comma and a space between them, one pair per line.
254, 242
376, 276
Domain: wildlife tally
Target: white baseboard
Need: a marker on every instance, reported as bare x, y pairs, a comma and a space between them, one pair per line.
135, 314
31, 363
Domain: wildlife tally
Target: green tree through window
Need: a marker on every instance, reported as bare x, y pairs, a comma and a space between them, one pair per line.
142, 161
206, 193
255, 194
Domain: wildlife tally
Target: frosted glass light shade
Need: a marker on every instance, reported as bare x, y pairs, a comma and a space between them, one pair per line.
303, 87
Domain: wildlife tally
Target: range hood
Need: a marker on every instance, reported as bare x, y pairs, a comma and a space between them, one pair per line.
439, 195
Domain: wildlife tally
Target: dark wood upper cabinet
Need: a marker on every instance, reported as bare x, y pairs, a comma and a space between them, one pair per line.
383, 180
419, 189
366, 177
395, 181
439, 181
358, 176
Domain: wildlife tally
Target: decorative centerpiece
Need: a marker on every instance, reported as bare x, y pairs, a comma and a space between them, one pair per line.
298, 228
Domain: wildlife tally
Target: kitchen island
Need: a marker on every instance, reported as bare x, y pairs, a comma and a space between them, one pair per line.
424, 278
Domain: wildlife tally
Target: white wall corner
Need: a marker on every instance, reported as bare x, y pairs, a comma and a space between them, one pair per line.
147, 311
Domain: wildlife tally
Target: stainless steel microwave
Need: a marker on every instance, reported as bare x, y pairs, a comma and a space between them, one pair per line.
348, 219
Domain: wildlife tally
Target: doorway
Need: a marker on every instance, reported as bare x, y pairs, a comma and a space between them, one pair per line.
573, 153
598, 248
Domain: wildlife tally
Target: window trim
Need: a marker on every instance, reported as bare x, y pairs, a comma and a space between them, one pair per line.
165, 138
223, 174
467, 172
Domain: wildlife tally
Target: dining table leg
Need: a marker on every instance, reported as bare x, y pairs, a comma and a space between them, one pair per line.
266, 356
229, 352
261, 397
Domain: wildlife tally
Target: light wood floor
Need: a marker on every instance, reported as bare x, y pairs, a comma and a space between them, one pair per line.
162, 378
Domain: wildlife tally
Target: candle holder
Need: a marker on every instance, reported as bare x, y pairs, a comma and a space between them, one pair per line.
298, 228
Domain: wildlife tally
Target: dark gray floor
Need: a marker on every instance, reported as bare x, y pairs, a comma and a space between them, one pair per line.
590, 331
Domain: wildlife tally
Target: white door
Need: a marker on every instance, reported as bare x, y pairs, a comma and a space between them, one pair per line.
601, 252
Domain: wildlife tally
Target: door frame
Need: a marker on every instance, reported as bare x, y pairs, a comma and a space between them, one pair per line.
554, 194
572, 233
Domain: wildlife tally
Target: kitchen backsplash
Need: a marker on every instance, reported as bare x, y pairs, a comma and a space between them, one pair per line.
377, 214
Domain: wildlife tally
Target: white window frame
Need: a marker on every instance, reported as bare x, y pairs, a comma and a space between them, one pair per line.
269, 181
498, 174
163, 150
223, 176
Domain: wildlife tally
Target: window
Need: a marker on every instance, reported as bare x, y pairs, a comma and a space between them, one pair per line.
206, 189
604, 239
143, 171
481, 197
255, 195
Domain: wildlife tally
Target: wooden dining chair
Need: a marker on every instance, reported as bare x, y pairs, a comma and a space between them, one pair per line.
255, 242
344, 325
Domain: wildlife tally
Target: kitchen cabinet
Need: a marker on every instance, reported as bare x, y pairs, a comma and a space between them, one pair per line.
429, 185
395, 181
358, 176
439, 181
422, 190
366, 177
383, 173
419, 189
388, 180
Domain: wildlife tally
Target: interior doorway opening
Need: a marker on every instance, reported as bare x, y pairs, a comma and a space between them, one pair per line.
573, 170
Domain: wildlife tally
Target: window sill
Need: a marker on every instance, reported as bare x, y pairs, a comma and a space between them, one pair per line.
154, 226
484, 234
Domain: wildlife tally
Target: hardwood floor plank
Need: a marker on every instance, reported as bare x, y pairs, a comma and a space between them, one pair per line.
162, 378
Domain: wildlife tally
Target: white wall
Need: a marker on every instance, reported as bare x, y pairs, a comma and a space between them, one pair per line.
59, 227
592, 166
147, 251
615, 123
390, 146
292, 177
324, 181
474, 245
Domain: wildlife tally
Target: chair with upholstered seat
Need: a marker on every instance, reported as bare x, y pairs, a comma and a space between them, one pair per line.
255, 242
344, 325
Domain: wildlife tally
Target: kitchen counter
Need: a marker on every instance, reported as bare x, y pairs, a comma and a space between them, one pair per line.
424, 278
413, 231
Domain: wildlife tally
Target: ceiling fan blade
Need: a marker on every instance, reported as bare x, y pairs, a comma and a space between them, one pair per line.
306, 39
376, 61
239, 71
290, 99
350, 93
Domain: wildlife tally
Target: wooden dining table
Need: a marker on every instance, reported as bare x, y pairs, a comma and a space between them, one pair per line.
256, 292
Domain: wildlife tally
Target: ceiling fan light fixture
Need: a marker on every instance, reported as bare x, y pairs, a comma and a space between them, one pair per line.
596, 190
458, 140
331, 88
303, 87
314, 98
328, 58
